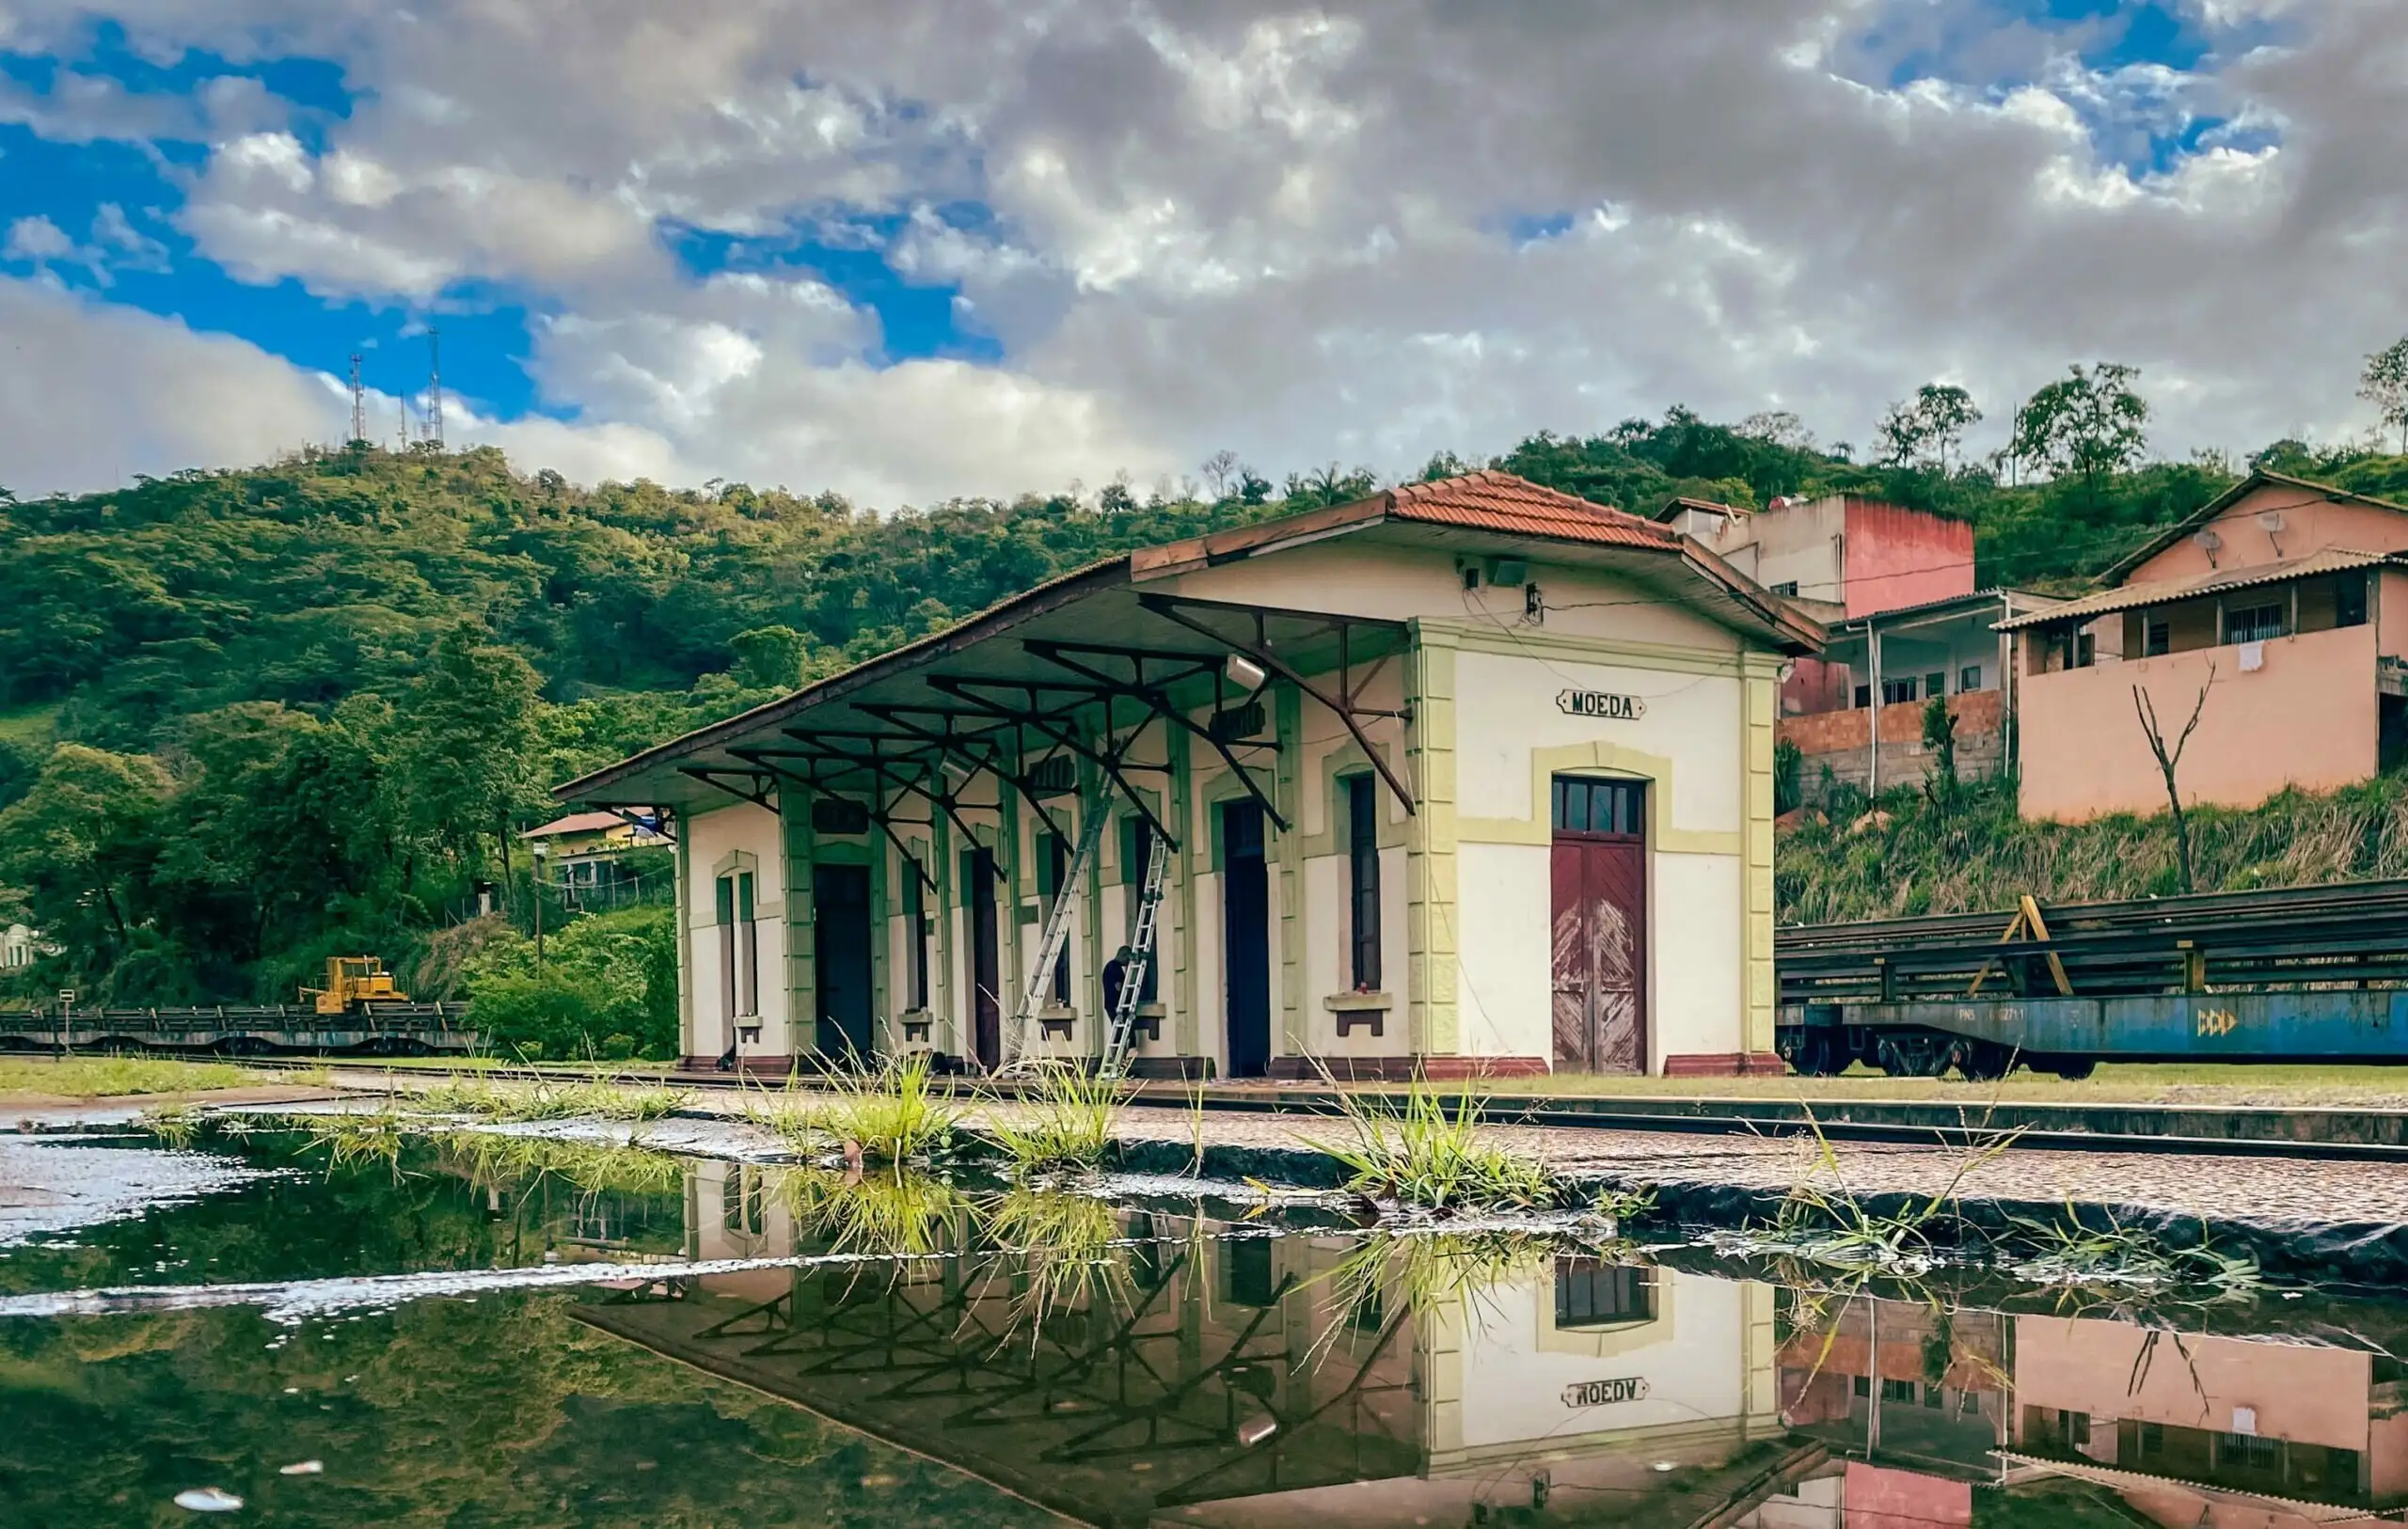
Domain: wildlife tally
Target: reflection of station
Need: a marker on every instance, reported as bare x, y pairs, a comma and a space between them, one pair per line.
1245, 1380
1922, 1404
1467, 775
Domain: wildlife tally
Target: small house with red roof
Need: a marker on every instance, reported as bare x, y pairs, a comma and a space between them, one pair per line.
1464, 777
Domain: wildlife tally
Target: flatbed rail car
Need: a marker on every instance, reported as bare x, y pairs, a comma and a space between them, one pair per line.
2303, 974
269, 1030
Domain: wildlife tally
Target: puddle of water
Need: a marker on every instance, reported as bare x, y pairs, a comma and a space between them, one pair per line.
540, 1334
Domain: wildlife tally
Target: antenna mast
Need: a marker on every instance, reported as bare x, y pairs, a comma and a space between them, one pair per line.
434, 385
358, 405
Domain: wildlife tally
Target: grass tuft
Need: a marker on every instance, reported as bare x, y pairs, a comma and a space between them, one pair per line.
1419, 1152
893, 1115
1065, 1124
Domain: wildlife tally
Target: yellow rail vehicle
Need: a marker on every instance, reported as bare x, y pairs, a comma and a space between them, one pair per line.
355, 982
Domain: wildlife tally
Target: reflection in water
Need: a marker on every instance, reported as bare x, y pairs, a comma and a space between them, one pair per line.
1013, 1354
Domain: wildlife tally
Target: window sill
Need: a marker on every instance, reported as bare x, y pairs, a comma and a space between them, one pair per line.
1359, 1010
918, 1025
1056, 1022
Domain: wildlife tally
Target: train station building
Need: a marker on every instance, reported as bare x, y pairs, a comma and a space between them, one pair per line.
1467, 776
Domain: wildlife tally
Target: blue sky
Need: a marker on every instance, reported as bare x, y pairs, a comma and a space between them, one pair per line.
956, 246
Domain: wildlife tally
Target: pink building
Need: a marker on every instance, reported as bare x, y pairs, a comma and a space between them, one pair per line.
1894, 588
2278, 612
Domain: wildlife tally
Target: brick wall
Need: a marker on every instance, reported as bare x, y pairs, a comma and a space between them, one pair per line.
1841, 740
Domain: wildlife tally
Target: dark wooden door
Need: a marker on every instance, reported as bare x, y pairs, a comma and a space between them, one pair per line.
1245, 938
986, 963
1599, 948
840, 948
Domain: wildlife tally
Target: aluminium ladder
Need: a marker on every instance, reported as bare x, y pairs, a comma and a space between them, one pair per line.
1057, 936
1141, 959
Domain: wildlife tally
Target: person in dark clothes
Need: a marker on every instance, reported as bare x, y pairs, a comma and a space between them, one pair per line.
1115, 976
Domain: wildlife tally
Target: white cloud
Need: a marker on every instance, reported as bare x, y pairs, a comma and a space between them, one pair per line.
1284, 227
38, 239
94, 393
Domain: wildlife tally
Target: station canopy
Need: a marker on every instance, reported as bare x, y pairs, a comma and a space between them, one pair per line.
1078, 667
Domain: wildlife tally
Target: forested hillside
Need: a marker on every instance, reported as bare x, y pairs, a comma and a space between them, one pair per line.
250, 719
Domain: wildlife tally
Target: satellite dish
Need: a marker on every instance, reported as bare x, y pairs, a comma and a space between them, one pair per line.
2209, 541
2271, 520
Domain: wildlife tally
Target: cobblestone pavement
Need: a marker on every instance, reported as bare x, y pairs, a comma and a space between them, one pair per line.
2222, 1187
2186, 1185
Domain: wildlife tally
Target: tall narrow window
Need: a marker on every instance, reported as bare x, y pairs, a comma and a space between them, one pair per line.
915, 917
1054, 863
1363, 879
2157, 636
748, 944
728, 946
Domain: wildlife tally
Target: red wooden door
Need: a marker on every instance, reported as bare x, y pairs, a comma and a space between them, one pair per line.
1599, 945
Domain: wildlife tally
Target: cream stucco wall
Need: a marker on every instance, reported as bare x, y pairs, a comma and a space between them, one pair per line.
738, 836
1694, 747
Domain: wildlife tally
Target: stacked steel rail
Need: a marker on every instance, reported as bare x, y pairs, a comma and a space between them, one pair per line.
378, 1026
2354, 935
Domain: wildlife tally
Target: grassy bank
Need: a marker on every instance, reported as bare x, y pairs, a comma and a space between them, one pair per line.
1910, 857
108, 1078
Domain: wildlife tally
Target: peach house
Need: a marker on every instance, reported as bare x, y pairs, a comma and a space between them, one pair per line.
2283, 603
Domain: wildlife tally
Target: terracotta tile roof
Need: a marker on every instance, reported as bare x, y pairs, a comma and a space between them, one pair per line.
1497, 501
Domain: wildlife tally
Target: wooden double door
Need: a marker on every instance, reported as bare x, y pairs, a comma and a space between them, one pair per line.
1599, 944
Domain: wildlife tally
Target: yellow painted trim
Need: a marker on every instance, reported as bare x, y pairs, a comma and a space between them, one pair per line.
1434, 1024
1762, 704
1600, 757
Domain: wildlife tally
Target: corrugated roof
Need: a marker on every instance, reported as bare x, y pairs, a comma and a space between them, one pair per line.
1495, 501
1994, 593
2166, 591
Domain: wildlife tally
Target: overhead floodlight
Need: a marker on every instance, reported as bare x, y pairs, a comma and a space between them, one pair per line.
1245, 673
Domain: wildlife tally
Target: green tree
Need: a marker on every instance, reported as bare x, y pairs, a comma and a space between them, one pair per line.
770, 657
2089, 424
1925, 428
2385, 385
81, 846
466, 746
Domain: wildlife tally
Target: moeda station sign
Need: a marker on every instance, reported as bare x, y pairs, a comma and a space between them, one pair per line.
1605, 1393
1605, 703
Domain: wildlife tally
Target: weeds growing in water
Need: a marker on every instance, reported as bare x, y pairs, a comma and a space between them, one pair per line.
893, 1115
1419, 1152
174, 1124
1065, 1124
353, 1138
1070, 1249
894, 1212
549, 1099
521, 1162
1825, 1221
2068, 1253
